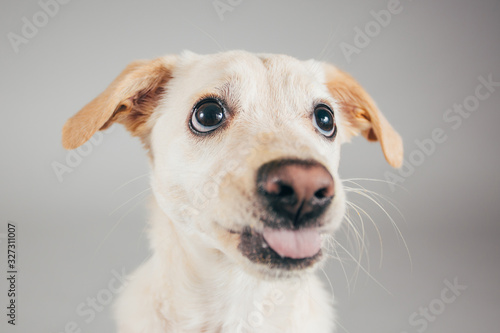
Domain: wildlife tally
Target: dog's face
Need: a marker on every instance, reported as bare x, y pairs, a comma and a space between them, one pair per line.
244, 148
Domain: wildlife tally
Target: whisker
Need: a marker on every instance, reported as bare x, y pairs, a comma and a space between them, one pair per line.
340, 325
130, 181
356, 207
322, 55
360, 240
118, 222
393, 223
376, 180
385, 198
341, 264
221, 48
126, 202
363, 269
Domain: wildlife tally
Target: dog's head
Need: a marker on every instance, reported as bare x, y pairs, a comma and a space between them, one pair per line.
244, 148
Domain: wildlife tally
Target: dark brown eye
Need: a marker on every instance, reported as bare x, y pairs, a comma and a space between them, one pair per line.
324, 121
207, 116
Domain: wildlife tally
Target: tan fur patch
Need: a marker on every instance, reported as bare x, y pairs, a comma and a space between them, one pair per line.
130, 100
363, 115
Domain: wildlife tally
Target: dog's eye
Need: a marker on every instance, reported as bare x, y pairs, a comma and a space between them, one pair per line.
207, 116
324, 121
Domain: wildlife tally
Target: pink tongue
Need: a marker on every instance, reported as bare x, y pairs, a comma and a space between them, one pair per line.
295, 244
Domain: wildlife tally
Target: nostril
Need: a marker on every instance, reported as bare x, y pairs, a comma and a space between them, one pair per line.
324, 192
285, 190
321, 193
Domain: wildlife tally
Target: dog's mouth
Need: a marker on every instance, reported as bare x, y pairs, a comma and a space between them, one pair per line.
281, 248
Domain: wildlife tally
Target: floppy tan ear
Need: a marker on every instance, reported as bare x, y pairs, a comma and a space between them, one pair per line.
130, 100
363, 115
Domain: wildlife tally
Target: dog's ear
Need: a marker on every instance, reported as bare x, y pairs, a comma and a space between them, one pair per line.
363, 115
130, 100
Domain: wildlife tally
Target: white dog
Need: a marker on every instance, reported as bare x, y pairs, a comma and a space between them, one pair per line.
244, 150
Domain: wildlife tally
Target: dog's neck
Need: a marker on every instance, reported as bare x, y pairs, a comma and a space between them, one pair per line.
205, 290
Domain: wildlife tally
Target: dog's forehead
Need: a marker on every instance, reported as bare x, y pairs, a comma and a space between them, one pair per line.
254, 77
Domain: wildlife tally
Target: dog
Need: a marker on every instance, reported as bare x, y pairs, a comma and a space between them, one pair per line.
244, 150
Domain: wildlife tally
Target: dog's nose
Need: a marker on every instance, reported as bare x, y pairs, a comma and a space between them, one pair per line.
295, 189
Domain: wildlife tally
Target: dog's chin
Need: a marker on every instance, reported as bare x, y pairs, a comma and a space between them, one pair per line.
267, 263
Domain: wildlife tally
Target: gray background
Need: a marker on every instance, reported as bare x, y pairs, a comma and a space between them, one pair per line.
72, 234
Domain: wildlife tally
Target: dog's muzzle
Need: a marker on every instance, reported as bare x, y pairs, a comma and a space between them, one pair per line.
294, 195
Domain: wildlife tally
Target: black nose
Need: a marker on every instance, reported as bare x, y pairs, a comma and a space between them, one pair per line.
297, 191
